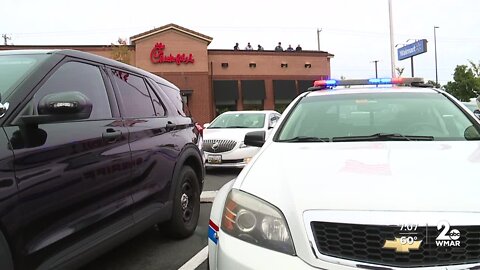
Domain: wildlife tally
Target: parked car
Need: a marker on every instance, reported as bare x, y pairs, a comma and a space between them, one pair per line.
223, 137
93, 151
356, 178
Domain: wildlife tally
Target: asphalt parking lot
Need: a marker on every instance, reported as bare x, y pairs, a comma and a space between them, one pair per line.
152, 250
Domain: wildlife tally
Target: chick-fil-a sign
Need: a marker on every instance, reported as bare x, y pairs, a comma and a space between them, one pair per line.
157, 56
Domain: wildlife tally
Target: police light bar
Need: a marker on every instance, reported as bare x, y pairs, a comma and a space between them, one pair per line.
376, 81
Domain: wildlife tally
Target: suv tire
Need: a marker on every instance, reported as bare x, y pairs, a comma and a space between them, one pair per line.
186, 205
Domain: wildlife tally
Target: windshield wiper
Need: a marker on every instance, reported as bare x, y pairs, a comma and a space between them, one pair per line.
228, 127
306, 139
236, 127
383, 137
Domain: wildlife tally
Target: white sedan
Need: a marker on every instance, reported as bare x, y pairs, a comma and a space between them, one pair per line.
356, 178
223, 137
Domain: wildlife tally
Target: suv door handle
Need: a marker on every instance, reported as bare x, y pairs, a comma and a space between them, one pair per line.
170, 126
111, 135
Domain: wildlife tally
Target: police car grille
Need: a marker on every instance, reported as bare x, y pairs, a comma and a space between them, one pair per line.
223, 145
364, 243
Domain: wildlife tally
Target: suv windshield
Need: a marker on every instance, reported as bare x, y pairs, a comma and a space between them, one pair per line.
378, 116
14, 68
239, 120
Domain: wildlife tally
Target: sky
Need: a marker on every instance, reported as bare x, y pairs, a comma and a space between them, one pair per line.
355, 31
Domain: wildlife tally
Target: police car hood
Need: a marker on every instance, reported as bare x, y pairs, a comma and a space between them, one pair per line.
383, 176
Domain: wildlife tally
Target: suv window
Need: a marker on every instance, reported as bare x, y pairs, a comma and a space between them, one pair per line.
175, 97
134, 95
84, 78
157, 104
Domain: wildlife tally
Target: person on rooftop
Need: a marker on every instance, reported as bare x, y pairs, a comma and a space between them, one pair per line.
279, 47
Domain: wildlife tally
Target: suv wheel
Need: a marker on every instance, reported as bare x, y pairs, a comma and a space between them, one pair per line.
186, 205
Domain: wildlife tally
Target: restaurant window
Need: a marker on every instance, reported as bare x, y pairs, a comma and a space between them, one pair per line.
226, 95
284, 92
253, 94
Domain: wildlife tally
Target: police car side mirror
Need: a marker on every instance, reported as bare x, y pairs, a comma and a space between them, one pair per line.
255, 138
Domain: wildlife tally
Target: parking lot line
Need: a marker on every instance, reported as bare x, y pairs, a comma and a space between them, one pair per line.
196, 260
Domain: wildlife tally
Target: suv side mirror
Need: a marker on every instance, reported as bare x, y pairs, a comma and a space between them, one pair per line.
60, 107
255, 138
206, 125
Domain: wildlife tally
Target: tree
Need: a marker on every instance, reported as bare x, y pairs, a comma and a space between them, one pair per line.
475, 68
121, 51
436, 85
466, 84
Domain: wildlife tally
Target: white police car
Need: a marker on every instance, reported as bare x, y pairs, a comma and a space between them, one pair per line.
376, 177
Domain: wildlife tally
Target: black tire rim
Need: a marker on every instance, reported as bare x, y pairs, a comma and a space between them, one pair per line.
187, 202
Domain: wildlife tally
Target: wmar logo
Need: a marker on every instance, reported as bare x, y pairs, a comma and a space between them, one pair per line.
447, 237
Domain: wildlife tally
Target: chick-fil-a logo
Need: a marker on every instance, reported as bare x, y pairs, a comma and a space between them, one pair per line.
157, 56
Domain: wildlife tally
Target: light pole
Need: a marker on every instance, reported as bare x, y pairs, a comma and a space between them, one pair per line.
392, 51
318, 37
435, 43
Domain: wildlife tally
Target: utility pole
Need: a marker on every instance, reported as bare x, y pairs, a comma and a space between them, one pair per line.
5, 39
318, 37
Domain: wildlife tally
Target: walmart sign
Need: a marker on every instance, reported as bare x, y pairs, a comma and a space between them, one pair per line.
416, 48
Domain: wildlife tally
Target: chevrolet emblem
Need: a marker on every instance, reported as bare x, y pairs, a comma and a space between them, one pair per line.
401, 248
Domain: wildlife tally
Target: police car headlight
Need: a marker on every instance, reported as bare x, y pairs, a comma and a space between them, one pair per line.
253, 220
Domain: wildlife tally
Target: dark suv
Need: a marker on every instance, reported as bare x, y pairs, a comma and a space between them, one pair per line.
92, 152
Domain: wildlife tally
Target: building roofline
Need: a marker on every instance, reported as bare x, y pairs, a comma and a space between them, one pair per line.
269, 52
17, 47
171, 26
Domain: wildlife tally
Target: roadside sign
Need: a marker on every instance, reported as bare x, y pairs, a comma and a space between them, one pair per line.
412, 49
